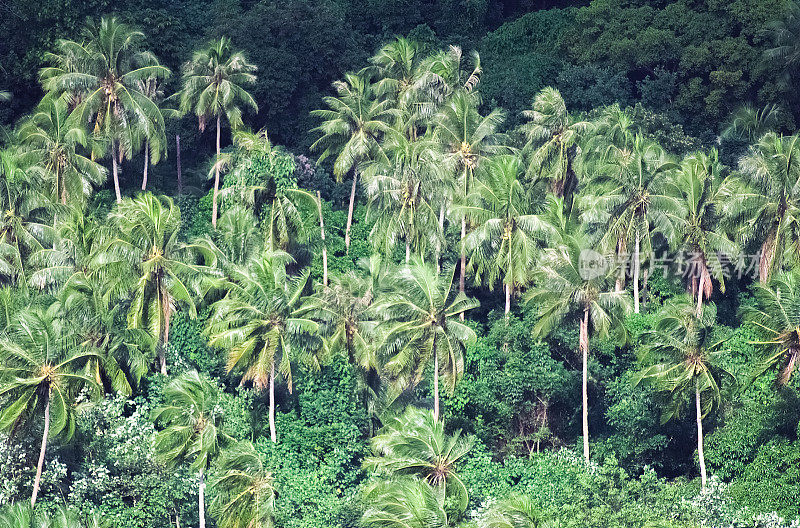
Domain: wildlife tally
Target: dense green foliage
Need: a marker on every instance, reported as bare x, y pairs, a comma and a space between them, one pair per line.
552, 281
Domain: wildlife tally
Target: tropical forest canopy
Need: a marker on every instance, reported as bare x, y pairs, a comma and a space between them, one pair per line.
399, 264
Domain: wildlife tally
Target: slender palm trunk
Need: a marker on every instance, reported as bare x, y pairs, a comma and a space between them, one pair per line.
62, 186
462, 278
408, 251
350, 209
146, 163
435, 383
178, 162
216, 179
42, 450
324, 248
788, 370
201, 500
508, 299
636, 269
115, 170
584, 343
767, 256
272, 434
700, 285
439, 242
700, 454
167, 312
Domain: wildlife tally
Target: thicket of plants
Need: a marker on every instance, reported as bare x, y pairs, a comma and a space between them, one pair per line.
464, 305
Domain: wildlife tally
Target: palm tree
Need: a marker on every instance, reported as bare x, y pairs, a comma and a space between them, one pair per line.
403, 503
467, 139
161, 270
777, 314
630, 203
153, 89
344, 311
402, 189
696, 229
256, 322
23, 228
52, 145
785, 33
763, 202
422, 326
213, 86
682, 362
106, 69
552, 136
749, 124
244, 492
415, 444
40, 373
351, 128
193, 431
515, 511
565, 288
505, 242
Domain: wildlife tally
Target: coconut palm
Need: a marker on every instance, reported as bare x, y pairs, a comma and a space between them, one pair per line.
244, 492
192, 420
402, 191
507, 235
515, 511
777, 314
105, 69
444, 74
681, 361
256, 322
213, 87
40, 377
552, 136
565, 288
344, 311
696, 184
467, 139
415, 444
161, 271
785, 32
422, 326
763, 203
403, 503
52, 144
153, 89
630, 202
351, 127
749, 124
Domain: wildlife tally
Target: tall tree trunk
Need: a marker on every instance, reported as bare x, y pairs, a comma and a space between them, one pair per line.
324, 248
114, 170
701, 284
201, 500
439, 242
350, 210
167, 312
584, 343
146, 163
767, 257
272, 434
435, 383
178, 162
636, 268
508, 299
42, 450
462, 278
216, 178
700, 454
408, 251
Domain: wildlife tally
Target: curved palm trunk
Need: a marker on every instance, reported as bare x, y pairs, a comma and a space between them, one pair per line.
272, 434
788, 370
146, 164
435, 383
636, 270
508, 299
201, 500
216, 179
700, 454
584, 344
324, 248
350, 209
115, 170
43, 450
700, 286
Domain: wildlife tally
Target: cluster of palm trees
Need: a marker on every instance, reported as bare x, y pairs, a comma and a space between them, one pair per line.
530, 202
